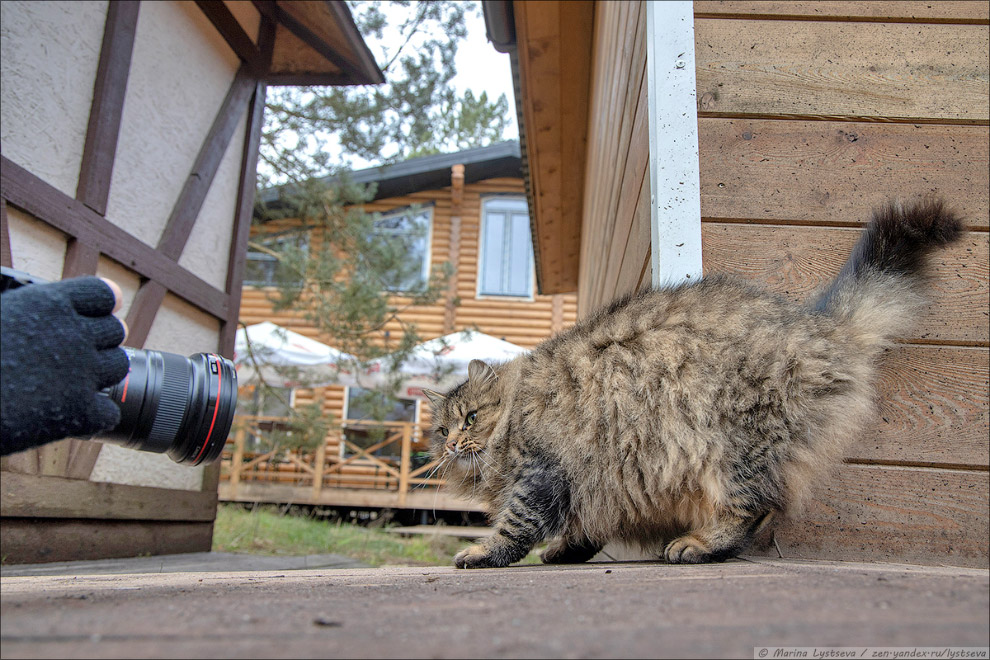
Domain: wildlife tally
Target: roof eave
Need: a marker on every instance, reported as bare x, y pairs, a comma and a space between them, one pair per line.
550, 50
425, 173
337, 57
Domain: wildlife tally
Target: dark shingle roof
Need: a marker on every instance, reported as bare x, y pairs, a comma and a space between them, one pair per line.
427, 172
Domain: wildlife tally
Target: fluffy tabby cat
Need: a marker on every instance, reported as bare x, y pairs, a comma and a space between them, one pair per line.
681, 419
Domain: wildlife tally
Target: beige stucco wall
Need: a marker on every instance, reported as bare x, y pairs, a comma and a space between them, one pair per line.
47, 89
181, 70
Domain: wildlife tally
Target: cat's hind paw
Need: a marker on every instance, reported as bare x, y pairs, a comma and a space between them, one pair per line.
474, 557
564, 552
687, 550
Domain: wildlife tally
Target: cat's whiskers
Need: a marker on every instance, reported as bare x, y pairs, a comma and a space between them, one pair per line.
474, 474
445, 462
429, 475
488, 464
436, 468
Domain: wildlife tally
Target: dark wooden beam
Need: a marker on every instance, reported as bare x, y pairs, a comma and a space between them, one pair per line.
38, 198
243, 214
187, 207
5, 259
266, 41
232, 32
80, 259
242, 219
144, 308
108, 104
82, 458
346, 24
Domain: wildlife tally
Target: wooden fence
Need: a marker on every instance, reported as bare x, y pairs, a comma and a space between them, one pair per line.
339, 472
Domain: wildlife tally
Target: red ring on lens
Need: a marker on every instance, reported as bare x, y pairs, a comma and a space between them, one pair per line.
216, 407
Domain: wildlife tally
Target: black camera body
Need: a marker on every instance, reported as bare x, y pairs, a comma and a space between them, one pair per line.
181, 406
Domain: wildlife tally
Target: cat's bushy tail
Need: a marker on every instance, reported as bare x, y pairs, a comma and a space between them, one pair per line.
877, 292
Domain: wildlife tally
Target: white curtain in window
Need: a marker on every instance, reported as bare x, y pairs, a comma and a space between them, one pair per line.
506, 248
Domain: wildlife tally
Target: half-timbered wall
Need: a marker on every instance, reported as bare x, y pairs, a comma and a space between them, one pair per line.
129, 143
810, 115
117, 154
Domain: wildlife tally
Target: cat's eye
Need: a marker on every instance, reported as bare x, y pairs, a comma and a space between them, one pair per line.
444, 431
471, 419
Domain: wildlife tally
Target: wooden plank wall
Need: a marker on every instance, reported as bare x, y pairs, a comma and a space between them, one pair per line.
615, 229
810, 115
522, 322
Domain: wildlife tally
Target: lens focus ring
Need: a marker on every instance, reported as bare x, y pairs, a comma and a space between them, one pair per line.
173, 402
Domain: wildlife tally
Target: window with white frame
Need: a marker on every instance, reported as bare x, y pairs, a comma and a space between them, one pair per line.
407, 231
263, 268
506, 260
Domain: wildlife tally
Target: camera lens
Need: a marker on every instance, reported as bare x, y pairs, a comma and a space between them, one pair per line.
176, 405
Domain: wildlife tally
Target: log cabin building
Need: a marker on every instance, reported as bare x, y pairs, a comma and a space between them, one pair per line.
474, 208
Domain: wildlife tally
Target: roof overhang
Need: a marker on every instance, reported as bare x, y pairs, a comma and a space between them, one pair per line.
423, 173
317, 43
550, 47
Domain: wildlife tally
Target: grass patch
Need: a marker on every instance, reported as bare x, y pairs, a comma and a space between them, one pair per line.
266, 531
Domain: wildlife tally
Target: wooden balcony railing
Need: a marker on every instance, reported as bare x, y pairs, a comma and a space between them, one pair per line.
338, 462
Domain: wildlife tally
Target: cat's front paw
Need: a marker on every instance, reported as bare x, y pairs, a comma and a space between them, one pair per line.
475, 557
687, 550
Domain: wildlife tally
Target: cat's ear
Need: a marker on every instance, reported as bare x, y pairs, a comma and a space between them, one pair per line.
480, 374
435, 397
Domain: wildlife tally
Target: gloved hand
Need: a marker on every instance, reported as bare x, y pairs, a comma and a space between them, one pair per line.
59, 345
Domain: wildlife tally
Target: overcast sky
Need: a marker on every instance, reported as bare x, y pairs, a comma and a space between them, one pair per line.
482, 68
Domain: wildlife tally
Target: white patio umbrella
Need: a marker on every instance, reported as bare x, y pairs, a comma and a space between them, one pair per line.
446, 356
285, 358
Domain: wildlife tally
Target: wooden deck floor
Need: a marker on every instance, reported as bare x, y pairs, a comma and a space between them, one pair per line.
616, 610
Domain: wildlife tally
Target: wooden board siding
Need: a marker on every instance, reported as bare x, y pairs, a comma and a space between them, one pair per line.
944, 11
906, 514
912, 71
812, 114
773, 170
616, 214
522, 322
796, 260
798, 143
552, 40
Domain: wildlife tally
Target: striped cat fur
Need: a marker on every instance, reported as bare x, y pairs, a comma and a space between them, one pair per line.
682, 419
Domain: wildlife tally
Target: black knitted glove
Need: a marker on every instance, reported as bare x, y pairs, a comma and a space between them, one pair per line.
59, 345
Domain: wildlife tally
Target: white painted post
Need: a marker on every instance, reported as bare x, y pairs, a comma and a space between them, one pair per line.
675, 180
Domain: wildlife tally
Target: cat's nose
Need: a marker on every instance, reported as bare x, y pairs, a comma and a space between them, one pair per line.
451, 445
